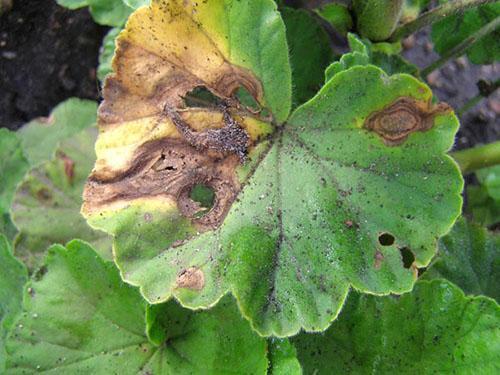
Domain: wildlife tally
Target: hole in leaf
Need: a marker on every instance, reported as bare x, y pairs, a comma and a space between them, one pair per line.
204, 195
386, 239
245, 98
407, 257
201, 97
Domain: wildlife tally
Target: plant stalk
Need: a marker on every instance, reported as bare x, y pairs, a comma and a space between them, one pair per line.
460, 48
435, 15
479, 157
485, 90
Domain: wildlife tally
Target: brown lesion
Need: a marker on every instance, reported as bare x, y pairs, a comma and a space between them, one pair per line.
406, 115
191, 278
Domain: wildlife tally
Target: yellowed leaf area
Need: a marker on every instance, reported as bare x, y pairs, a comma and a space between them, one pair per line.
152, 145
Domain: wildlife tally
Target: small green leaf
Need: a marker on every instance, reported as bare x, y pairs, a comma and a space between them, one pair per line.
13, 167
469, 256
384, 55
13, 277
412, 9
40, 138
81, 318
481, 207
377, 19
337, 15
490, 179
134, 4
452, 30
73, 4
107, 53
109, 12
46, 208
433, 330
310, 53
283, 358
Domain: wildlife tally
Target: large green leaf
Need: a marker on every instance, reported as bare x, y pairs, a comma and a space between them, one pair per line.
433, 330
46, 208
310, 53
81, 318
356, 176
13, 276
283, 358
469, 256
13, 167
452, 30
41, 137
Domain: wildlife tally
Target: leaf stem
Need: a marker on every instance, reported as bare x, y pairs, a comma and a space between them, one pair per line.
485, 90
479, 157
433, 16
460, 48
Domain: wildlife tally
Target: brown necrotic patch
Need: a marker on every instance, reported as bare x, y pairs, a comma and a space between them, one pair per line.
397, 121
171, 167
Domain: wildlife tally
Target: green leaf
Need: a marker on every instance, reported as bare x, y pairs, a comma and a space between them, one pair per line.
46, 208
490, 179
13, 167
433, 330
337, 15
81, 318
13, 276
283, 358
107, 53
469, 256
73, 4
330, 200
452, 30
384, 55
412, 9
134, 4
109, 12
40, 138
483, 201
377, 19
310, 53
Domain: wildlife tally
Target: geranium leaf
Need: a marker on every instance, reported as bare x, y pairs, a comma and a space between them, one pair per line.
46, 207
81, 318
469, 256
107, 53
109, 12
310, 52
434, 329
283, 358
337, 15
73, 4
134, 4
452, 30
329, 199
41, 137
13, 277
490, 179
483, 201
13, 167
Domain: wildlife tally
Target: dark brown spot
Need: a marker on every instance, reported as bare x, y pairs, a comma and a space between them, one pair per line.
191, 278
407, 257
69, 166
386, 239
397, 121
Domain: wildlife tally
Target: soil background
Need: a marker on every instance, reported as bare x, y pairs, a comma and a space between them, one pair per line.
48, 54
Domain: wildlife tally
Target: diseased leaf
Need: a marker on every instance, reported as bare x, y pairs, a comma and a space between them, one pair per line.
310, 53
46, 208
283, 358
337, 15
81, 318
452, 30
41, 137
302, 210
434, 329
469, 256
13, 276
363, 52
107, 53
13, 166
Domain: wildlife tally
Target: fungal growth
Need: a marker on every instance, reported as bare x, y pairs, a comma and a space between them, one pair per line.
403, 117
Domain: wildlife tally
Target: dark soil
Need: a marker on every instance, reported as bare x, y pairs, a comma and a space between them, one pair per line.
47, 54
